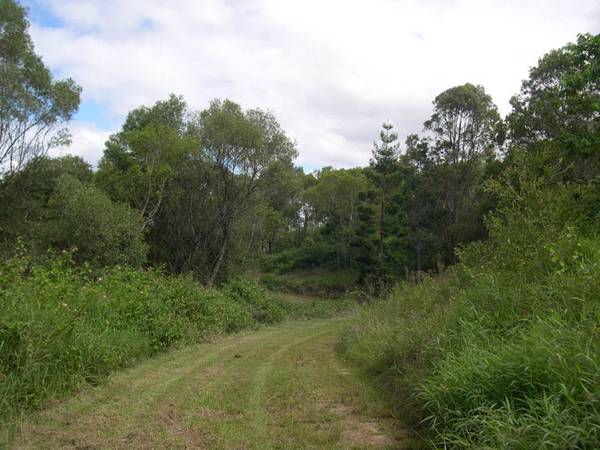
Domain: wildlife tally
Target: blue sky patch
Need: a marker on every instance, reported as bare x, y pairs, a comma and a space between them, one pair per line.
41, 15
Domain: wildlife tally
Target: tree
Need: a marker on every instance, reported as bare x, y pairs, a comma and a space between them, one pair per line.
24, 196
239, 147
33, 106
423, 204
466, 130
102, 232
334, 207
384, 174
557, 111
140, 161
277, 220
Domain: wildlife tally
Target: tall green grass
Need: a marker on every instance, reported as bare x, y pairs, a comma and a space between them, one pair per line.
505, 352
63, 325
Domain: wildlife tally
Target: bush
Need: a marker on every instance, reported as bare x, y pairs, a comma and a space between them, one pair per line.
506, 352
63, 325
104, 233
253, 297
317, 282
313, 252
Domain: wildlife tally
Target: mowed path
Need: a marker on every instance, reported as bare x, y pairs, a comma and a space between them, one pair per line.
280, 387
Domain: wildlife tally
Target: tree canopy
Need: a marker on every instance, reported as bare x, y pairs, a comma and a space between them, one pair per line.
34, 108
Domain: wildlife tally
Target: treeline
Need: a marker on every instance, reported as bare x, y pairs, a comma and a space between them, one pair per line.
503, 351
216, 192
416, 205
174, 188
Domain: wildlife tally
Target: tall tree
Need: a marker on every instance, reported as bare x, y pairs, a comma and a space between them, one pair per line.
424, 207
466, 130
384, 174
334, 208
239, 146
141, 159
34, 108
557, 111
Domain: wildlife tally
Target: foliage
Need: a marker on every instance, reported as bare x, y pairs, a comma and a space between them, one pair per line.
25, 196
379, 259
502, 351
466, 129
239, 147
253, 297
62, 325
394, 339
508, 356
195, 176
140, 161
557, 111
102, 232
320, 283
33, 106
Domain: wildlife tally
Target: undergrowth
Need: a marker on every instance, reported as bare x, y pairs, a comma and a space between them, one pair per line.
505, 351
322, 283
63, 325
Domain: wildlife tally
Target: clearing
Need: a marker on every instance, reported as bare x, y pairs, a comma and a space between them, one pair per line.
280, 387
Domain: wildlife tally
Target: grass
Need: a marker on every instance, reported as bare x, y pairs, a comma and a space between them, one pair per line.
279, 387
63, 326
321, 283
505, 351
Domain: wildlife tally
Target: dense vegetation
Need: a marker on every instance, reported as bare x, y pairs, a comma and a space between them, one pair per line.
504, 350
64, 324
99, 268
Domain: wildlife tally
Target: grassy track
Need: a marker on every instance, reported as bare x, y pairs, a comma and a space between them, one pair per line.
280, 387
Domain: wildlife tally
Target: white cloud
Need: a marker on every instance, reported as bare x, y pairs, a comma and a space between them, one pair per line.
88, 142
331, 71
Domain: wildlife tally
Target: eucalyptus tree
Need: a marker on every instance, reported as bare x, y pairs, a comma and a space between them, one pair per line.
142, 159
466, 130
34, 108
239, 147
334, 205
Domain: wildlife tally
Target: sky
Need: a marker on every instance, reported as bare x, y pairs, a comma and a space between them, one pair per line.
331, 71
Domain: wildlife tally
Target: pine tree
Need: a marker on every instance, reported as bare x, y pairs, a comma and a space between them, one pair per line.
384, 165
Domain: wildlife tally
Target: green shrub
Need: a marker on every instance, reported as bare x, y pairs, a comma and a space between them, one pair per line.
104, 233
313, 252
322, 283
253, 297
505, 353
63, 325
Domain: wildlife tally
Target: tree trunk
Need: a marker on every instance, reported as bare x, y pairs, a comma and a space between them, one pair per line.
250, 244
220, 259
381, 237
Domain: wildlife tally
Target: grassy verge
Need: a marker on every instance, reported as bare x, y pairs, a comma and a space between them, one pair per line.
62, 325
505, 353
